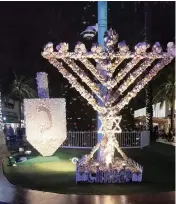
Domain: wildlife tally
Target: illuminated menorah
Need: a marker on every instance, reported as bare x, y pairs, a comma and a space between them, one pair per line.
102, 65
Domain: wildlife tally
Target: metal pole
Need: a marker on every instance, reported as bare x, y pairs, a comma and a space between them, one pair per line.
102, 28
102, 21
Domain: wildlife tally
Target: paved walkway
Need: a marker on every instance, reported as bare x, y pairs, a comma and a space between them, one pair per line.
11, 194
166, 142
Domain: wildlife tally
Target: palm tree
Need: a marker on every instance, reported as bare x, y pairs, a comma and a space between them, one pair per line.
146, 34
148, 88
22, 88
166, 93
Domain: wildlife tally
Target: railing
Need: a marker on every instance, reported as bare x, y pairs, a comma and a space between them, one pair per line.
88, 139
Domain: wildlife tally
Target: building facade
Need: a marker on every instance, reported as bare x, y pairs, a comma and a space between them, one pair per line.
10, 112
161, 115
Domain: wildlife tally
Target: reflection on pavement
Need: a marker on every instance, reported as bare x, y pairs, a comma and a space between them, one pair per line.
16, 195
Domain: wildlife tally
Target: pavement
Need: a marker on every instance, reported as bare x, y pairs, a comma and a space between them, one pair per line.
164, 141
10, 194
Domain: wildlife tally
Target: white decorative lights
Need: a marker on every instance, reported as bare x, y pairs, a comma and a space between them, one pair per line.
109, 60
45, 121
102, 65
75, 160
42, 85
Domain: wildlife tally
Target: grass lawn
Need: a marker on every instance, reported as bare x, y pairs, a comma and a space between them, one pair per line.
57, 173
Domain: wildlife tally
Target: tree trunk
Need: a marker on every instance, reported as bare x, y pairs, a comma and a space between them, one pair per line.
173, 113
149, 110
148, 89
20, 113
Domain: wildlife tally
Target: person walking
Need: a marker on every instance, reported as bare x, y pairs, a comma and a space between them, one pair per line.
5, 130
19, 135
11, 135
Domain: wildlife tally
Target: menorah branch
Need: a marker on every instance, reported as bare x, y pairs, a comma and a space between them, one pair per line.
116, 64
140, 85
109, 67
93, 70
133, 76
102, 55
73, 81
94, 88
122, 73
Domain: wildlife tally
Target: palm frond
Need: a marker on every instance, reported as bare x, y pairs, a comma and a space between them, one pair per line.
166, 91
22, 88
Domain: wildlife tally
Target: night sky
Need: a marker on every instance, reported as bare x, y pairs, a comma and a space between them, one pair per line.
27, 26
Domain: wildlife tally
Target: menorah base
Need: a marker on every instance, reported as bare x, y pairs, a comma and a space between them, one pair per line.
120, 171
